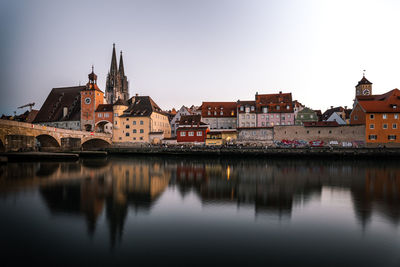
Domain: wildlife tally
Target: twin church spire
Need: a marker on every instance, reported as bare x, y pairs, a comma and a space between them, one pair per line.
117, 82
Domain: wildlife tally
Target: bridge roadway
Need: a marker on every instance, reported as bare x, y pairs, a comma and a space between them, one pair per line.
17, 136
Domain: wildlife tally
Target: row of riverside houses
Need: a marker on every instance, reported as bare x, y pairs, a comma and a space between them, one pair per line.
268, 119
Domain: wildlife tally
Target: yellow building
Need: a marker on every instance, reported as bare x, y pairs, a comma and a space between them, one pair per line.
142, 121
221, 137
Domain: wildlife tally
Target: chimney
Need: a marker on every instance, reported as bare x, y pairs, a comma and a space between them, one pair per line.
331, 107
136, 94
345, 107
280, 92
65, 111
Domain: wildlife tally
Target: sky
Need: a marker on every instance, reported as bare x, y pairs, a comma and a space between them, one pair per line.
183, 52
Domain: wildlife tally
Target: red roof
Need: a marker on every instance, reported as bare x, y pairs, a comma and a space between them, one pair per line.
276, 103
388, 102
104, 108
218, 109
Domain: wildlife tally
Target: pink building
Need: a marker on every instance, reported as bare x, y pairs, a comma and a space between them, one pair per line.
274, 109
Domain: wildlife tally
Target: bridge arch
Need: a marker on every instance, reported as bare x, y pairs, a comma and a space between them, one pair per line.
103, 126
95, 143
47, 141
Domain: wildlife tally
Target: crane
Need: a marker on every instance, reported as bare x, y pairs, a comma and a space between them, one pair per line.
30, 105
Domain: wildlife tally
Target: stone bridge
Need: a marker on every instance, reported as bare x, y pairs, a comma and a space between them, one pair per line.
17, 136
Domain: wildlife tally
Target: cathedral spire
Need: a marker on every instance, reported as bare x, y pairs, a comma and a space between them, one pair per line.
121, 66
113, 68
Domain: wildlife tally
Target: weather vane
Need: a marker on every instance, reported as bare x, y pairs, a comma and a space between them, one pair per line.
363, 73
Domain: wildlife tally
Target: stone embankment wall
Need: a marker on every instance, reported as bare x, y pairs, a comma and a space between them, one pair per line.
346, 133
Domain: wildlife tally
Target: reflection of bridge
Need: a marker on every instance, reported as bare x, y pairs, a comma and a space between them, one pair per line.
23, 136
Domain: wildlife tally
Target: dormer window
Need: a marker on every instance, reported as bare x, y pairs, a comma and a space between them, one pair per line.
287, 107
252, 108
278, 107
221, 113
215, 113
394, 106
209, 112
241, 108
265, 110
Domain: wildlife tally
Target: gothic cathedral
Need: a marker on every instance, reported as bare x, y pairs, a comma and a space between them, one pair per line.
117, 82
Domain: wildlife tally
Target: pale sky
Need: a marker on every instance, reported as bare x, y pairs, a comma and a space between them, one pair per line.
183, 52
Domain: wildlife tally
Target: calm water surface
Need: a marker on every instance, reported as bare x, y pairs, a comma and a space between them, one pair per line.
183, 212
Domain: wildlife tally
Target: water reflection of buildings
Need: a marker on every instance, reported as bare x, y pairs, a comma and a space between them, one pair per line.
116, 186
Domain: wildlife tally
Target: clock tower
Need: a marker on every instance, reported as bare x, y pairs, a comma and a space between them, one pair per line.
364, 87
91, 97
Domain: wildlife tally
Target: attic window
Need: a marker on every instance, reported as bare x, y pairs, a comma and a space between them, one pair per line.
278, 107
394, 106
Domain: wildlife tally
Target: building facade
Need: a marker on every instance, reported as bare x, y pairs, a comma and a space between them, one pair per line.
139, 121
219, 115
183, 111
257, 135
117, 83
305, 115
191, 129
274, 109
247, 115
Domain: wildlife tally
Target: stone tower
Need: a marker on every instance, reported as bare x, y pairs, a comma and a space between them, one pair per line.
364, 87
117, 82
91, 98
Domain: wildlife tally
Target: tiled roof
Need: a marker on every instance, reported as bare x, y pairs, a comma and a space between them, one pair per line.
104, 108
363, 81
246, 103
52, 108
276, 103
388, 102
142, 106
191, 120
330, 111
32, 115
180, 128
320, 124
121, 102
218, 109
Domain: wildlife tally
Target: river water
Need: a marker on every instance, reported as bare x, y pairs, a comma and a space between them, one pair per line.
163, 211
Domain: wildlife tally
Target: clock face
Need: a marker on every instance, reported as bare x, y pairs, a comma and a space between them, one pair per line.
366, 92
87, 100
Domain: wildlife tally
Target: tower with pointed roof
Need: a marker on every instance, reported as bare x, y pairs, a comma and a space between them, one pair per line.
117, 82
91, 98
364, 87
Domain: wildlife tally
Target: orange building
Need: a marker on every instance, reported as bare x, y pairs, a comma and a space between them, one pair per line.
91, 98
380, 114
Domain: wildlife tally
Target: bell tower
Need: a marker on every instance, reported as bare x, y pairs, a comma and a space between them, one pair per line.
364, 87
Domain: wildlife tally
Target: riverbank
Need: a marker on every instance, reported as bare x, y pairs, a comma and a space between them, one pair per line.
314, 152
40, 156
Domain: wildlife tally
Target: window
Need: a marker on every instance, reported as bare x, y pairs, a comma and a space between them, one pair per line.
141, 131
372, 137
384, 116
330, 132
385, 126
248, 116
289, 116
191, 133
283, 118
371, 116
372, 126
263, 123
127, 134
243, 116
106, 115
221, 113
283, 123
262, 116
396, 116
141, 138
115, 114
199, 133
209, 113
253, 116
278, 107
311, 116
241, 108
254, 133
215, 113
243, 124
134, 131
134, 138
127, 126
100, 115
252, 108
355, 118
392, 137
394, 125
308, 132
127, 119
141, 122
265, 110
267, 117
183, 133
287, 107
272, 116
134, 122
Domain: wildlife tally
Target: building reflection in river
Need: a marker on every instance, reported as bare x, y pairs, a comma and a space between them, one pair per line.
119, 185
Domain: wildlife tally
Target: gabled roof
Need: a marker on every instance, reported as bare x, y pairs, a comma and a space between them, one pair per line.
363, 81
330, 111
104, 108
191, 120
218, 109
52, 108
121, 102
142, 106
388, 102
276, 103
